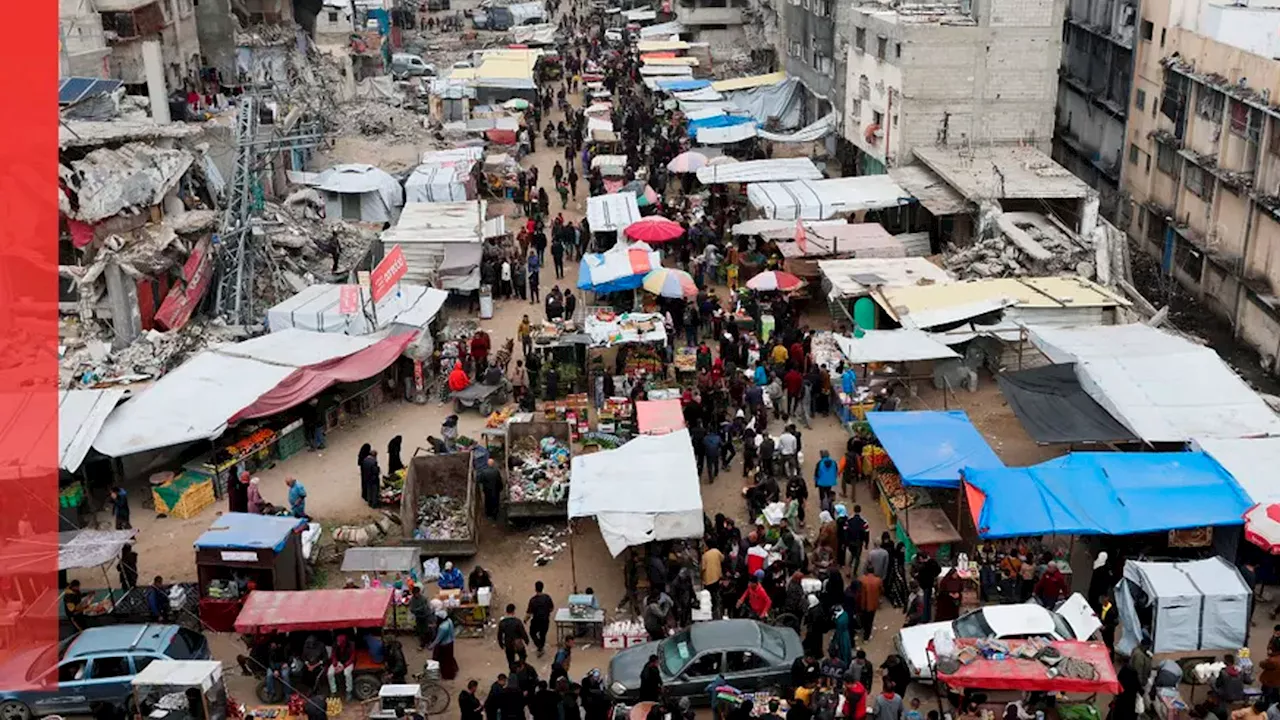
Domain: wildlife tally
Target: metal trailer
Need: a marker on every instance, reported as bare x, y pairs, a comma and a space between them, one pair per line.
451, 475
533, 510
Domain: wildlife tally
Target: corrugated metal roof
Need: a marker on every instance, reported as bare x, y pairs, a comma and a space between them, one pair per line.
856, 240
968, 298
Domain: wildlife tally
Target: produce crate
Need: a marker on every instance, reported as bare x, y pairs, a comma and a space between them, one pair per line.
193, 492
293, 440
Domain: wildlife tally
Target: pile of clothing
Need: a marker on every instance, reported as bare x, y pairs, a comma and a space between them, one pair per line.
440, 517
540, 471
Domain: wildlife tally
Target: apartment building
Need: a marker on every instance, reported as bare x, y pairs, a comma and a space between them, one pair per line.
980, 72
809, 32
1203, 158
1093, 94
128, 24
82, 47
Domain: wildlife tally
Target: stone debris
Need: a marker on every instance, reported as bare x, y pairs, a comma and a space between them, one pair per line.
546, 543
378, 118
88, 359
1051, 251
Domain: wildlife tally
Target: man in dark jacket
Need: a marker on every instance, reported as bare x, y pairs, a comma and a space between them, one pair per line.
538, 614
512, 636
650, 681
490, 481
493, 701
468, 703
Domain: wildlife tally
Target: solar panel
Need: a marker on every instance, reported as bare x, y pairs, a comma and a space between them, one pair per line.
74, 89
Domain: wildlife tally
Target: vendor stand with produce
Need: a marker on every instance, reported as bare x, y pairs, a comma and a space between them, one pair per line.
393, 567
538, 458
1028, 670
240, 553
181, 690
357, 614
440, 505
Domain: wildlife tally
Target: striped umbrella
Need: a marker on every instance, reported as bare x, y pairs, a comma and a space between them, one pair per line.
687, 162
670, 283
1261, 523
772, 280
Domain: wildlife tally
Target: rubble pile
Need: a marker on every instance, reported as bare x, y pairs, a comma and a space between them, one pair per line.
539, 471
300, 249
377, 118
88, 359
1000, 256
440, 517
546, 544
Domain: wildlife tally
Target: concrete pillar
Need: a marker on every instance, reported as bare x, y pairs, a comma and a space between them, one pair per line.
122, 298
153, 66
1089, 214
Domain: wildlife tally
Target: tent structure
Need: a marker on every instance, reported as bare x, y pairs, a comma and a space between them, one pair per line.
1104, 494
658, 417
1053, 408
929, 448
621, 267
775, 170
612, 212
1251, 461
254, 378
645, 490
892, 346
81, 414
1162, 387
1191, 606
435, 182
360, 192
318, 309
442, 243
822, 199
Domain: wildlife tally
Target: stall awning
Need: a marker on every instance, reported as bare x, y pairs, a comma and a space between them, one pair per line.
1033, 675
1251, 461
242, 531
1104, 493
893, 346
776, 170
81, 414
611, 212
622, 267
929, 448
643, 491
318, 308
179, 674
658, 417
822, 199
380, 559
1053, 408
286, 611
75, 549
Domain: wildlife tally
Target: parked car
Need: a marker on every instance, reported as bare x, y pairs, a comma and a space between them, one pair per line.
750, 655
407, 65
480, 19
1072, 620
95, 666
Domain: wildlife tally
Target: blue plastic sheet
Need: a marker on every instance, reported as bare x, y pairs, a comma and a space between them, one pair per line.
683, 85
630, 282
718, 121
1107, 494
929, 448
242, 531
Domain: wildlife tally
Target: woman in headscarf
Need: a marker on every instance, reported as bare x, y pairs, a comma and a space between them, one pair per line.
1101, 582
238, 493
842, 639
827, 537
442, 646
394, 463
365, 450
458, 380
254, 498
370, 477
816, 622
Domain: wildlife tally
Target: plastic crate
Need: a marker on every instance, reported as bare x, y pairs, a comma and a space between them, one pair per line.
192, 503
615, 642
291, 443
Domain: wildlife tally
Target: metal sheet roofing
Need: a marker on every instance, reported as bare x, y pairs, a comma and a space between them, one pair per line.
943, 301
746, 83
857, 276
929, 190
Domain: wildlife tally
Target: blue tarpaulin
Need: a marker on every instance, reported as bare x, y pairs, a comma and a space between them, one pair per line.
1106, 494
929, 448
242, 531
628, 282
683, 85
718, 121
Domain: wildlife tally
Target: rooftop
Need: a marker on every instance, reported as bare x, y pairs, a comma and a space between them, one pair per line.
858, 276
910, 12
1002, 173
88, 133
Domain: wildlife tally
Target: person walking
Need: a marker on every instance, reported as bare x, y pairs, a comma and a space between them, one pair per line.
490, 481
120, 507
442, 646
557, 255
297, 497
512, 637
538, 615
870, 588
825, 476
534, 266
370, 476
711, 443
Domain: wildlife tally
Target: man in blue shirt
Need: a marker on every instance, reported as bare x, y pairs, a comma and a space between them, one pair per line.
848, 380
297, 498
825, 475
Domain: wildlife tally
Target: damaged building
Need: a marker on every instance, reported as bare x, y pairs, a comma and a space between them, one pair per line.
1203, 160
151, 36
82, 45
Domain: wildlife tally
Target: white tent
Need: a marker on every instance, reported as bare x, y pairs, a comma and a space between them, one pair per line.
435, 182
1251, 461
822, 199
645, 490
442, 242
1162, 387
317, 308
360, 192
775, 170
892, 346
612, 212
1194, 606
81, 414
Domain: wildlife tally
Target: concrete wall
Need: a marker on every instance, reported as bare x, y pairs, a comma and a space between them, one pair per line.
1255, 30
216, 30
335, 20
83, 50
180, 47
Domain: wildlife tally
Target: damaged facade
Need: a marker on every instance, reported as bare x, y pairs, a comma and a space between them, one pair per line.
82, 46
949, 74
1203, 161
1093, 94
128, 25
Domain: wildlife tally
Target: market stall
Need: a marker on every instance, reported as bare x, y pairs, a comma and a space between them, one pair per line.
1062, 666
168, 689
538, 459
241, 553
439, 505
659, 417
394, 567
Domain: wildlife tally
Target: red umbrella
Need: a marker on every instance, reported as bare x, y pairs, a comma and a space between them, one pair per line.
654, 229
772, 280
1262, 527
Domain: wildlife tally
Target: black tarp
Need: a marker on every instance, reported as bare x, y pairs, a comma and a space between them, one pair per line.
1054, 408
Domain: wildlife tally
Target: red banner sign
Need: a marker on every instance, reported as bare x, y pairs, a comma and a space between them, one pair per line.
388, 273
178, 305
349, 299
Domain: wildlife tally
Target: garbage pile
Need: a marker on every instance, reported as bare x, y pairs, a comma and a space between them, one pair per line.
547, 543
440, 517
539, 471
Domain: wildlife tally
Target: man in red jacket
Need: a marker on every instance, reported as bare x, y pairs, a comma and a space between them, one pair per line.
1051, 587
756, 598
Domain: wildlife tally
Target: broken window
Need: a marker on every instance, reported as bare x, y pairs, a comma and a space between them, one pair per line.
1174, 100
1166, 159
1194, 180
897, 50
860, 39
855, 110
822, 8
333, 16
1209, 104
877, 118
1133, 154
1239, 117
1147, 29
882, 48
1140, 100
821, 62
1273, 142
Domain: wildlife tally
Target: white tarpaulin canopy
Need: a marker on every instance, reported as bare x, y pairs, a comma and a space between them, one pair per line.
81, 414
614, 211
434, 182
196, 400
893, 346
645, 490
776, 170
822, 199
1251, 461
1162, 387
379, 193
317, 308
